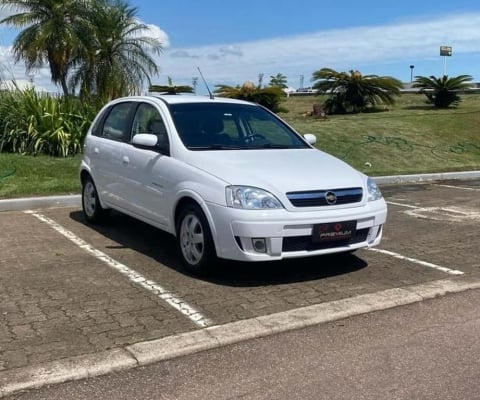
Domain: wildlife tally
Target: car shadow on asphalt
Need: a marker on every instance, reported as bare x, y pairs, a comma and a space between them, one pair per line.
161, 247
237, 274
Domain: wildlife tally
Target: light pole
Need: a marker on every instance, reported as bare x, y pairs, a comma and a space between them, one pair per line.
411, 73
445, 51
260, 80
194, 83
301, 81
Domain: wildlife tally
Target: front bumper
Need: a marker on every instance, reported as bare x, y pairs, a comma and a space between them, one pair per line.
288, 234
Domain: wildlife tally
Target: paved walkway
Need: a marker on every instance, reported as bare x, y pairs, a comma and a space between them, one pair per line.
65, 314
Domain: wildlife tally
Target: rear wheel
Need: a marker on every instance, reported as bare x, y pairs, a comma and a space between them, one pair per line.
92, 209
195, 240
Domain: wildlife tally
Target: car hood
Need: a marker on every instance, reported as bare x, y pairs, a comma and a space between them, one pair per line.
278, 171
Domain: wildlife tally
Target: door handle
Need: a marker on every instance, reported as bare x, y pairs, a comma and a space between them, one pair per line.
125, 160
96, 150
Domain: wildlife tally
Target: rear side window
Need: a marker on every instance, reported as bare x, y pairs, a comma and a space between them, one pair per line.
116, 124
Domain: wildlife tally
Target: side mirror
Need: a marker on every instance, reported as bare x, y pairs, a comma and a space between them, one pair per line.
144, 140
148, 141
311, 139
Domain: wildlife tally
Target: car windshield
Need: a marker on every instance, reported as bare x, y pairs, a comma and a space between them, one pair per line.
229, 126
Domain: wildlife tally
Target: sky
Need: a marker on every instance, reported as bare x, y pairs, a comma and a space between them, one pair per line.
237, 41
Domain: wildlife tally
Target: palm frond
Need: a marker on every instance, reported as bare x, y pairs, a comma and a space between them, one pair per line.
353, 92
442, 91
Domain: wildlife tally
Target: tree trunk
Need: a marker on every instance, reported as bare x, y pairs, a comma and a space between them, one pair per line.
64, 86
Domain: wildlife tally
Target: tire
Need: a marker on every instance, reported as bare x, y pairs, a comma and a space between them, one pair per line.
92, 209
195, 241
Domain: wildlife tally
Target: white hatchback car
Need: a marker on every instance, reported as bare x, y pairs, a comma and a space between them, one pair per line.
227, 178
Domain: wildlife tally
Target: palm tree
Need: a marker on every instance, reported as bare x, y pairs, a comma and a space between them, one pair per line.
278, 80
441, 91
50, 34
170, 88
269, 97
115, 59
354, 92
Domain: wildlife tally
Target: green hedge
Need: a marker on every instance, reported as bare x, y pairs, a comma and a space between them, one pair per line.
33, 123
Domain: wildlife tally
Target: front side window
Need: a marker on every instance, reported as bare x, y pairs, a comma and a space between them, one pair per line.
116, 124
148, 120
224, 126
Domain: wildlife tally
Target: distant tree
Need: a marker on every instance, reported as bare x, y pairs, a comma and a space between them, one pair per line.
441, 91
50, 34
278, 80
269, 97
353, 92
170, 88
116, 57
98, 46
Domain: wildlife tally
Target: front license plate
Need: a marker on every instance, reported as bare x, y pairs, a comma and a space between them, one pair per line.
334, 231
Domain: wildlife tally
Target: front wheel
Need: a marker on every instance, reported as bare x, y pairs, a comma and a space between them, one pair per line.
195, 240
92, 209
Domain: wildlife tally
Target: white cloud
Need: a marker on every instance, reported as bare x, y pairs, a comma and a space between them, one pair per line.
341, 49
383, 47
157, 33
231, 50
6, 11
183, 54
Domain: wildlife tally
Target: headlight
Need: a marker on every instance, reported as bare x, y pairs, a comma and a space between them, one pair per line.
374, 192
250, 198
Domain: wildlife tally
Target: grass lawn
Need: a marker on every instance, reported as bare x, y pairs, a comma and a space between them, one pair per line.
410, 137
24, 176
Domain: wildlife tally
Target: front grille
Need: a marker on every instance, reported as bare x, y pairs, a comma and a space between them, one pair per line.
317, 198
304, 243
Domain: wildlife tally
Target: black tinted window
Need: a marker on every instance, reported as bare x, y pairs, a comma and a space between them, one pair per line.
205, 126
116, 124
148, 120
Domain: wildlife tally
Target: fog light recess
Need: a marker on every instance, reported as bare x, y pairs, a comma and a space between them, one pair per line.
259, 245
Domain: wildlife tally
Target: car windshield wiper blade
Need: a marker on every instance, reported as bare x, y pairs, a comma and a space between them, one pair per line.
215, 147
271, 146
278, 146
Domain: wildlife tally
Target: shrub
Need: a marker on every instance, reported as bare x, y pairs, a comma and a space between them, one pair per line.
353, 92
441, 91
269, 97
32, 123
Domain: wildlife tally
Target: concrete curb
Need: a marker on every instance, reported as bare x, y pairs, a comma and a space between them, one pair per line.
444, 176
15, 380
75, 200
40, 202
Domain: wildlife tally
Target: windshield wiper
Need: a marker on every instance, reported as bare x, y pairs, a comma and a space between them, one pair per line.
271, 146
214, 147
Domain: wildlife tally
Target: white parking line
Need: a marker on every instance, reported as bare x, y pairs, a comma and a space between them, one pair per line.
402, 205
414, 260
451, 214
169, 297
460, 187
419, 262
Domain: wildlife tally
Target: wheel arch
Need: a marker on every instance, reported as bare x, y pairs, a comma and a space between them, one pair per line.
184, 201
84, 174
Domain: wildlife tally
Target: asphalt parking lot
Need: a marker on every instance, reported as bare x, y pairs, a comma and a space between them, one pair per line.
68, 289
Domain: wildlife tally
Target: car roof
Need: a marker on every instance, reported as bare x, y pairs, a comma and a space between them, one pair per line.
184, 99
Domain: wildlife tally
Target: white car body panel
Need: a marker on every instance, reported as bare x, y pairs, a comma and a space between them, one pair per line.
148, 185
276, 171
